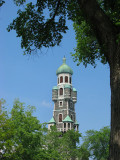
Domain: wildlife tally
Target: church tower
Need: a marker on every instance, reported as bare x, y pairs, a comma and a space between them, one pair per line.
64, 97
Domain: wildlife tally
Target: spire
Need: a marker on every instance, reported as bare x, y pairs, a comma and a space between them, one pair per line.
64, 60
68, 119
51, 121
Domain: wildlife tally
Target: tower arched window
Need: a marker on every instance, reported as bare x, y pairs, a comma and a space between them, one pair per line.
61, 79
60, 117
71, 117
61, 91
58, 80
66, 79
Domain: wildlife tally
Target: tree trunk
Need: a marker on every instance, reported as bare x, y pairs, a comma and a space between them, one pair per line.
114, 151
106, 33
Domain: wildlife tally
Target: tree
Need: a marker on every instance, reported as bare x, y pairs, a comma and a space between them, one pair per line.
69, 145
66, 146
97, 143
99, 22
83, 153
53, 144
62, 146
21, 134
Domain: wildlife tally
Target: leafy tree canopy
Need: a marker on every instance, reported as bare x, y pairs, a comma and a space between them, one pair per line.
38, 30
62, 146
97, 143
21, 134
89, 49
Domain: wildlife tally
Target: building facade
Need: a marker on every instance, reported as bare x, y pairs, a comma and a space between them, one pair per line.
64, 97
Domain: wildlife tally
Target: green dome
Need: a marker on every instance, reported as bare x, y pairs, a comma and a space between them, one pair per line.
64, 68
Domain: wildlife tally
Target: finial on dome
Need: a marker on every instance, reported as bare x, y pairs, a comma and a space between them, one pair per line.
64, 60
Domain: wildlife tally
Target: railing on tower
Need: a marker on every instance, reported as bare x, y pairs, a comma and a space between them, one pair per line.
61, 129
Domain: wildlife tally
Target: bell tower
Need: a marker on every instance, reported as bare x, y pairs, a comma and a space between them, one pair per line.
64, 97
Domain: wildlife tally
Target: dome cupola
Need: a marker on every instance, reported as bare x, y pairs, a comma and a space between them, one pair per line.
64, 68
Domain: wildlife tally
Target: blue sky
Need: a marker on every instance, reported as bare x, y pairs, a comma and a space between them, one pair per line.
31, 78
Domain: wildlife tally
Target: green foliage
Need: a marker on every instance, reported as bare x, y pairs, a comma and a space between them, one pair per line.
97, 143
19, 2
1, 2
21, 134
62, 146
70, 140
53, 144
38, 29
88, 49
112, 9
83, 153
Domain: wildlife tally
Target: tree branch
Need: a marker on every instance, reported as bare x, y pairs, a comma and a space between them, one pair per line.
58, 4
50, 20
102, 26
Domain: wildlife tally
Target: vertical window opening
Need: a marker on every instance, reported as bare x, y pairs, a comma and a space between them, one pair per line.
61, 91
61, 103
61, 79
58, 80
66, 79
60, 117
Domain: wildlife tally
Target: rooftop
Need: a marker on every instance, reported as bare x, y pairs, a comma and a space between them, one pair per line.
64, 68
